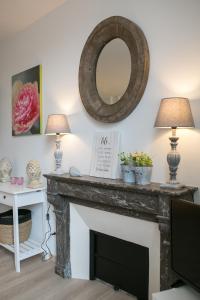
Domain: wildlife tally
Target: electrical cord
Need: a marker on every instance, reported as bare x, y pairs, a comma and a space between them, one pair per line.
50, 234
47, 236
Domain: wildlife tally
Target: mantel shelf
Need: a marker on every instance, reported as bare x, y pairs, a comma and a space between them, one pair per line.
153, 188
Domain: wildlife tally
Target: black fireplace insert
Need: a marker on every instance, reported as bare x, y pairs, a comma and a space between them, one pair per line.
123, 264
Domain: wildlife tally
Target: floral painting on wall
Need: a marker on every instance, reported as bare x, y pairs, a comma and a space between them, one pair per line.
26, 102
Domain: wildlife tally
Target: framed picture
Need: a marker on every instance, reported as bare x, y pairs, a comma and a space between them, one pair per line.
27, 102
105, 155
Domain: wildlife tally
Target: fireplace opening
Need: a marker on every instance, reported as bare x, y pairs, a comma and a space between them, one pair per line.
123, 264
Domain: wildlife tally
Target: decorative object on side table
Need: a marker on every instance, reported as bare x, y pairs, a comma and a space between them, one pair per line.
6, 226
127, 168
5, 169
143, 167
34, 173
57, 124
17, 180
174, 112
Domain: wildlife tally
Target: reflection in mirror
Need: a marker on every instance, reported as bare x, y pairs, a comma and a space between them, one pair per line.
113, 71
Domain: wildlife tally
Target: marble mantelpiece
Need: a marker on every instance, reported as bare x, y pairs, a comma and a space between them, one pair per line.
149, 202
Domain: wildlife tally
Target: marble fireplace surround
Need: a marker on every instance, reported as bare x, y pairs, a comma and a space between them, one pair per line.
149, 203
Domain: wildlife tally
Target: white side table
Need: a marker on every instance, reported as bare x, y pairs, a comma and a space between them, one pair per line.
16, 197
181, 293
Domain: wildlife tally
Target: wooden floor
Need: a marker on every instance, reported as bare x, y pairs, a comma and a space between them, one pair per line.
37, 281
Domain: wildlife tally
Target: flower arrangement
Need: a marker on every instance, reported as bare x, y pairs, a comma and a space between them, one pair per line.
141, 159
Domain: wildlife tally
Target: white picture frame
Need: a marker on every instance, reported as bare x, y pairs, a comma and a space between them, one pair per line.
104, 162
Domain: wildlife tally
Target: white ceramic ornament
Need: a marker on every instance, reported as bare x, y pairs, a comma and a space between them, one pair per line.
34, 173
5, 169
74, 172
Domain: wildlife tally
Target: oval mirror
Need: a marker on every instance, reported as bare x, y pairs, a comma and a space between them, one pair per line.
109, 94
113, 71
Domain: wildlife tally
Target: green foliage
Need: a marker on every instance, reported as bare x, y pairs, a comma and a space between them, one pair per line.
141, 159
126, 158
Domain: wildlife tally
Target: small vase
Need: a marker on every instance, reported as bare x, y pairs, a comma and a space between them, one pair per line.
143, 175
128, 174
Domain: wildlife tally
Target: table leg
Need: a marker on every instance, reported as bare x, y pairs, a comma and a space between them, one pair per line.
16, 237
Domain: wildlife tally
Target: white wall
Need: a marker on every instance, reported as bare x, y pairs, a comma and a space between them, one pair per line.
172, 29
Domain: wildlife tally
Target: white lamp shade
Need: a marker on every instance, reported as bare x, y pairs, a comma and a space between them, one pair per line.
57, 124
174, 112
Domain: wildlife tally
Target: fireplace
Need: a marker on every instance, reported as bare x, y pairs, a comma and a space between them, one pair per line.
123, 264
117, 202
132, 231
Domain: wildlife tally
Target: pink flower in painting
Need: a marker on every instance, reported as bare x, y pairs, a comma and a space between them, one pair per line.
26, 106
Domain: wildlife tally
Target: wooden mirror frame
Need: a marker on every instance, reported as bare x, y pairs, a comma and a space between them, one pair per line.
103, 33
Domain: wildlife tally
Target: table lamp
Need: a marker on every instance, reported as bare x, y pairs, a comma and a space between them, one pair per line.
57, 124
175, 113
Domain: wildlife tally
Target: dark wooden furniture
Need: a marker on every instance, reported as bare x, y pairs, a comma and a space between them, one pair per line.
148, 202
